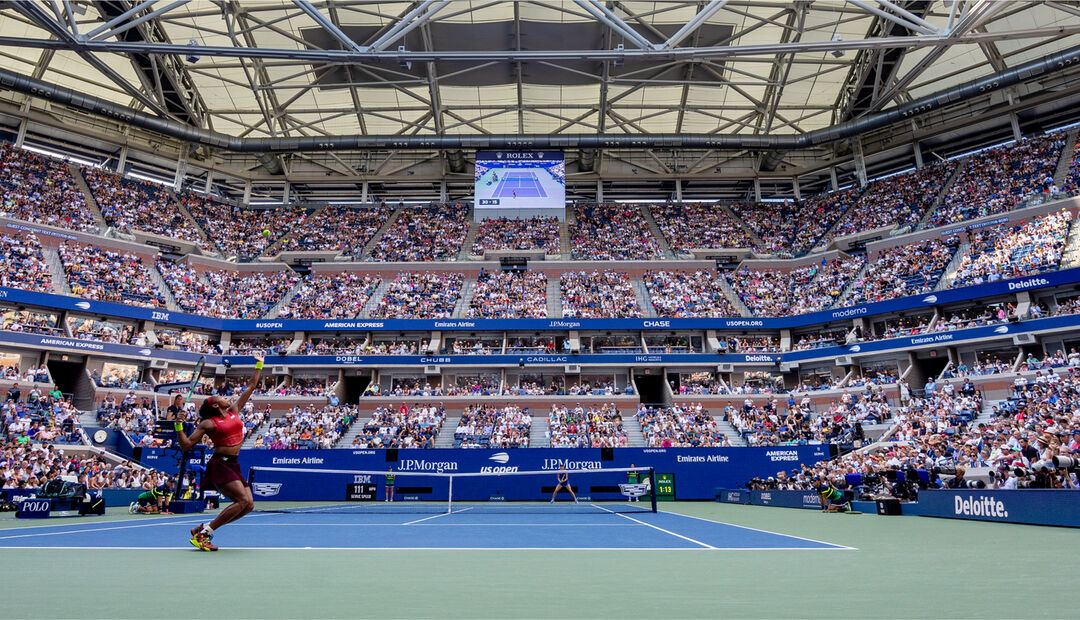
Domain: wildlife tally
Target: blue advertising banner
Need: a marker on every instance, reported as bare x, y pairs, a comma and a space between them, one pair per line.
1055, 278
1036, 506
733, 496
698, 471
879, 346
786, 499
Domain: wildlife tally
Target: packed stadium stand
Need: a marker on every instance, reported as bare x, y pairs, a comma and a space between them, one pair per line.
811, 255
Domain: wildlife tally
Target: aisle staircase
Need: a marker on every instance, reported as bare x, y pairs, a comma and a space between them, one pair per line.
1067, 153
466, 246
445, 438
732, 296
91, 202
182, 208
373, 301
465, 298
854, 284
655, 229
950, 270
742, 223
370, 245
56, 270
170, 300
644, 299
634, 437
538, 432
925, 221
729, 431
285, 299
554, 298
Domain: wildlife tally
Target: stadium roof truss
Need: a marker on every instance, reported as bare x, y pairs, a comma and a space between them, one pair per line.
672, 90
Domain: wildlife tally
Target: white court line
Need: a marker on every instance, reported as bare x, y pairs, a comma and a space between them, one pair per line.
452, 512
165, 518
227, 549
696, 542
101, 529
754, 529
309, 525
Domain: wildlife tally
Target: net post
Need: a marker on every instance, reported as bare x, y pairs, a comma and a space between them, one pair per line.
450, 495
652, 488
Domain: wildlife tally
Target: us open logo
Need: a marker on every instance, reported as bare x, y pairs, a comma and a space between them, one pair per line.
500, 457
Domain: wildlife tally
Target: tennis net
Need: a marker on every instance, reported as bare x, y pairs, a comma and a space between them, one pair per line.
291, 489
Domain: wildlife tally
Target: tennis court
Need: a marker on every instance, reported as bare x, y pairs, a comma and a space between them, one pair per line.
546, 526
586, 567
520, 184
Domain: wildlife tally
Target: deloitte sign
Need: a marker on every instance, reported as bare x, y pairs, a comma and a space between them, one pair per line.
979, 507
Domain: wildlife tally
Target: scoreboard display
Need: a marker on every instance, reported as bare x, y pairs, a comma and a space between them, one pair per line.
665, 487
530, 180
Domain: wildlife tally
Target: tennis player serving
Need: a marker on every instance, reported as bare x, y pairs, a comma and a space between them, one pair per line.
220, 422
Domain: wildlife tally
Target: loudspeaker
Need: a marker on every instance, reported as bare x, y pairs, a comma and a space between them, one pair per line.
607, 454
391, 455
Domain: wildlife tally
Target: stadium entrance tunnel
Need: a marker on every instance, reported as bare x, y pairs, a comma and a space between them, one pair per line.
71, 378
354, 388
652, 390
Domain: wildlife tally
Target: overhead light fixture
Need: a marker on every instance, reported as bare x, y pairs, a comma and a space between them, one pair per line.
838, 52
405, 64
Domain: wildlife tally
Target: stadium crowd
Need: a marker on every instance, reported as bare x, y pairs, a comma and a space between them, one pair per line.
686, 425
22, 264
598, 294
336, 229
337, 296
688, 294
1012, 252
534, 233
127, 205
689, 226
308, 427
998, 179
426, 295
904, 270
403, 427
509, 295
493, 426
424, 234
41, 189
592, 426
611, 232
108, 275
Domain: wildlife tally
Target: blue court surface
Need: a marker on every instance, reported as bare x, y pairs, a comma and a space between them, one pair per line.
462, 529
520, 184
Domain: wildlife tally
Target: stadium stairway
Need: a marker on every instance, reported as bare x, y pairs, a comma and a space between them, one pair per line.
470, 237
733, 297
467, 290
373, 301
538, 432
170, 300
370, 245
924, 222
854, 283
634, 437
286, 298
1067, 153
729, 431
1070, 256
191, 218
445, 438
554, 298
275, 248
749, 231
56, 269
654, 228
564, 236
949, 276
643, 298
91, 202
